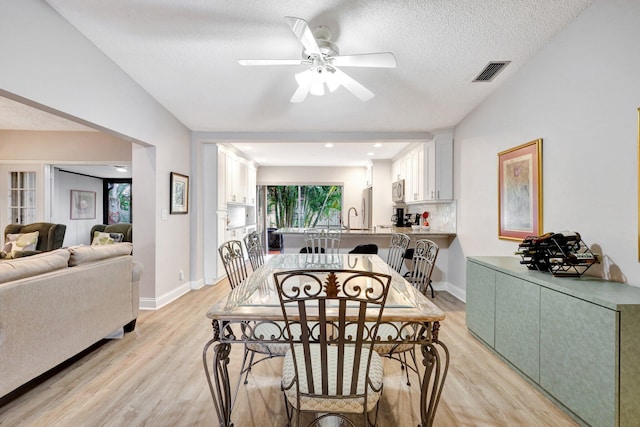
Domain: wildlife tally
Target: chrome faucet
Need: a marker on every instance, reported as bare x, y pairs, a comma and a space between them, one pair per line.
355, 211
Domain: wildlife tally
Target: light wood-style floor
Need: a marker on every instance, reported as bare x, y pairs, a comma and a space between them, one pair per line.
154, 377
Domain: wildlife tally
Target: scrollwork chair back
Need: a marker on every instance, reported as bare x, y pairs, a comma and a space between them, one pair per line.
330, 367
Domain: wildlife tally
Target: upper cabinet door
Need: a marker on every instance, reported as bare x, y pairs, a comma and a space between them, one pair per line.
444, 168
222, 180
251, 184
439, 164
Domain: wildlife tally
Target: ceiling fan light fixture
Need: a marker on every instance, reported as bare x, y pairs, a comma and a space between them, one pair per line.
324, 57
317, 88
304, 78
333, 81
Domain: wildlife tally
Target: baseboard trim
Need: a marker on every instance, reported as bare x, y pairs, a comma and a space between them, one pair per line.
195, 285
157, 303
453, 290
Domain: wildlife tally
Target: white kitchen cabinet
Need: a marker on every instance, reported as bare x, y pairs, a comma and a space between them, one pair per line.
427, 170
236, 180
251, 184
237, 174
438, 162
398, 168
410, 167
416, 178
222, 180
369, 175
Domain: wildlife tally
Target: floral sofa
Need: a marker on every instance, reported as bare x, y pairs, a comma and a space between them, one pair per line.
56, 304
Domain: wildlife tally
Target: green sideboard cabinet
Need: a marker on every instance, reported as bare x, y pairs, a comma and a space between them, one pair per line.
577, 339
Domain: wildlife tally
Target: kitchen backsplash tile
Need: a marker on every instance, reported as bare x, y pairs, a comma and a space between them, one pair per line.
442, 216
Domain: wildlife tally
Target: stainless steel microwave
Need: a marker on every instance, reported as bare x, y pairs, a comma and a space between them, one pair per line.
398, 191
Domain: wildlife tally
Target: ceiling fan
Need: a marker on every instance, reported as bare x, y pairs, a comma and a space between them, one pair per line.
323, 58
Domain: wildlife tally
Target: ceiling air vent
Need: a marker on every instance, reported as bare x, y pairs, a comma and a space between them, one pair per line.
491, 70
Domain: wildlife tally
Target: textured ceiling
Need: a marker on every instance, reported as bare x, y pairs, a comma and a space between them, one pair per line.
185, 54
15, 115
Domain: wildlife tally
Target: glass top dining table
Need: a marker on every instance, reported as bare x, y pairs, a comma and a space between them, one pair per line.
257, 297
256, 300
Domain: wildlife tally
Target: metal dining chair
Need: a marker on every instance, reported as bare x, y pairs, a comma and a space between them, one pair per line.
322, 240
330, 367
254, 249
232, 257
235, 267
397, 247
423, 261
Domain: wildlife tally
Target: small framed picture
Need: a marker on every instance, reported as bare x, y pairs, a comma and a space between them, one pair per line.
83, 204
179, 193
520, 191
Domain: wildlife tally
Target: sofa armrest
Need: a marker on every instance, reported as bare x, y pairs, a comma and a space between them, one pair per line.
136, 274
137, 271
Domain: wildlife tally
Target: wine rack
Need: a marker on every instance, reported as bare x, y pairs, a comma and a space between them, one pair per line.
563, 254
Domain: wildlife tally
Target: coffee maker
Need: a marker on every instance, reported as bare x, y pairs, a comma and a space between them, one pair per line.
398, 217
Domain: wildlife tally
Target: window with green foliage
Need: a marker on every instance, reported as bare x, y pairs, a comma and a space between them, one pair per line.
304, 205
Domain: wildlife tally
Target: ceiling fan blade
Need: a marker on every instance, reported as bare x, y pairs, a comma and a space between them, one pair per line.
361, 92
302, 31
305, 80
271, 61
379, 60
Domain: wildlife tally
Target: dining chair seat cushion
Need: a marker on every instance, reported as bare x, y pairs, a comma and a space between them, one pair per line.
394, 331
332, 403
267, 331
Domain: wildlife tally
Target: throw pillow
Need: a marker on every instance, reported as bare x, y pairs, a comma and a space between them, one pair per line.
102, 238
21, 242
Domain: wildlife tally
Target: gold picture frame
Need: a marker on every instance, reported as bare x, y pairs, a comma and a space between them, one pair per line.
520, 191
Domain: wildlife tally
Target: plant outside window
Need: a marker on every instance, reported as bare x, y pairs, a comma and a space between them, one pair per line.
305, 206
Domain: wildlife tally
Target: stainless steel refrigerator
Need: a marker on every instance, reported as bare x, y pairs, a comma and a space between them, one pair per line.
367, 198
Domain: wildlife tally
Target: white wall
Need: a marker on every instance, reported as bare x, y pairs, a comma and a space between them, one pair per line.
64, 147
78, 230
48, 64
580, 94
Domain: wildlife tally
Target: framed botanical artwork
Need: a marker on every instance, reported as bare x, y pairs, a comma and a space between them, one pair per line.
179, 193
116, 201
520, 191
83, 204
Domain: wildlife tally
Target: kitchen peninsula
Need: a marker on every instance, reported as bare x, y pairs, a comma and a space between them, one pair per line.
293, 241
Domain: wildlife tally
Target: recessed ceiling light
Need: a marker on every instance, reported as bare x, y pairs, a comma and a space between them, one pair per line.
370, 153
377, 145
328, 145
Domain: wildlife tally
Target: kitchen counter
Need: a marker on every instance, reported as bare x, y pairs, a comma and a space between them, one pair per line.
293, 241
386, 231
